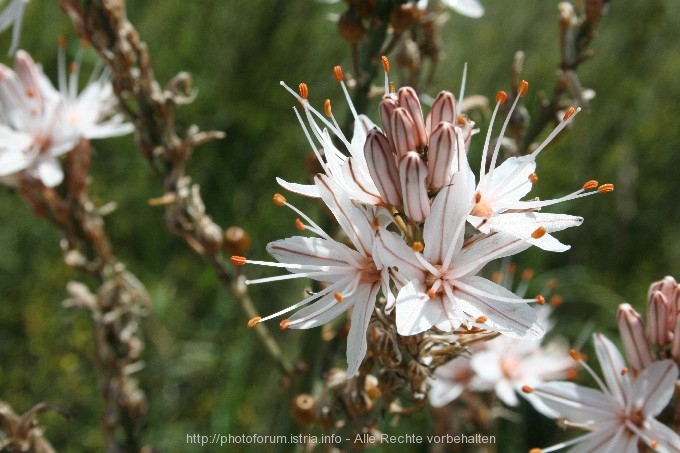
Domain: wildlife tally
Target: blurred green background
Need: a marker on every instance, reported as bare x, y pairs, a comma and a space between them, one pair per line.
206, 373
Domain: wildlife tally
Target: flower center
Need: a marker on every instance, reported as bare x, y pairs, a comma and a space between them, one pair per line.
368, 273
482, 207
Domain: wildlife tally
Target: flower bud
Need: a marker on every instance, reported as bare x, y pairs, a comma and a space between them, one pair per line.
632, 333
382, 168
350, 27
388, 104
408, 99
443, 109
302, 409
236, 241
404, 137
441, 156
670, 288
412, 173
658, 311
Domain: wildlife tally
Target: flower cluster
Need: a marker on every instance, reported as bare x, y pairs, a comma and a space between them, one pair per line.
421, 228
39, 123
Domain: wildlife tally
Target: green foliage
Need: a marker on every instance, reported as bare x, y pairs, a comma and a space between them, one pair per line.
205, 372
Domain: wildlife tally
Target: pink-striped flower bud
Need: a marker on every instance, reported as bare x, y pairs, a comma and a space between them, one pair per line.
443, 109
408, 99
658, 311
675, 345
388, 104
632, 332
403, 132
382, 167
441, 156
670, 288
412, 173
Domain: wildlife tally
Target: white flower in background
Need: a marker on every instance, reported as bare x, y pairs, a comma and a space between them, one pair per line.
622, 412
354, 275
469, 8
440, 287
12, 16
39, 123
497, 197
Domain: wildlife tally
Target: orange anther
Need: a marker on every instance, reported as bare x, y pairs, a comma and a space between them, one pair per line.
386, 63
527, 274
590, 184
417, 246
538, 233
527, 389
569, 113
337, 72
431, 293
535, 450
501, 97
654, 444
304, 91
283, 325
338, 296
481, 319
478, 197
254, 321
624, 371
327, 107
556, 300
540, 300
604, 188
73, 68
533, 178
299, 225
523, 88
575, 355
62, 41
238, 260
279, 200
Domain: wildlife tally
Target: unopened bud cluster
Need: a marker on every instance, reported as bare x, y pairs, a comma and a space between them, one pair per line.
659, 337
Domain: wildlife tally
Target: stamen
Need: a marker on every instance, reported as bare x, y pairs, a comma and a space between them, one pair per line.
254, 321
431, 293
538, 233
238, 260
605, 188
501, 97
624, 371
522, 88
303, 90
62, 41
540, 300
590, 184
569, 113
535, 450
527, 389
527, 274
338, 296
654, 444
478, 197
417, 246
279, 200
481, 319
327, 108
299, 225
392, 89
337, 72
283, 325
386, 63
556, 300
575, 355
533, 178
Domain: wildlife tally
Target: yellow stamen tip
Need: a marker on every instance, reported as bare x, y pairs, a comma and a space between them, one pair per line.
327, 108
279, 200
304, 91
605, 188
337, 72
533, 178
283, 325
417, 246
254, 321
522, 88
385, 63
299, 225
501, 97
238, 260
431, 293
590, 184
539, 233
527, 274
575, 355
540, 300
624, 371
338, 296
569, 113
527, 389
481, 319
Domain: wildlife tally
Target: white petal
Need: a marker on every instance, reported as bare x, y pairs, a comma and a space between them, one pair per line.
48, 170
611, 362
522, 225
469, 8
655, 386
576, 403
320, 312
483, 250
504, 190
669, 440
393, 252
308, 190
415, 311
442, 392
361, 316
313, 252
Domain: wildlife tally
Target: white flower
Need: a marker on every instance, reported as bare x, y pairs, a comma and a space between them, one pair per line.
440, 288
497, 197
622, 412
12, 16
354, 275
470, 8
38, 123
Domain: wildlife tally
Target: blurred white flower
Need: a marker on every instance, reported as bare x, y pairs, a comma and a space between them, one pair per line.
39, 123
12, 16
622, 412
